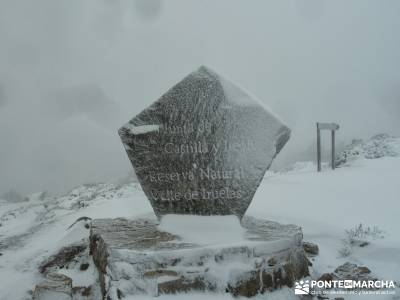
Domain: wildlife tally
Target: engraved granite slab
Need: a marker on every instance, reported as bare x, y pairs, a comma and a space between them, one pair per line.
203, 147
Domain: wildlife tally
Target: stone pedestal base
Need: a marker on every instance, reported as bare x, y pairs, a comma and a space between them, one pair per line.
56, 286
134, 257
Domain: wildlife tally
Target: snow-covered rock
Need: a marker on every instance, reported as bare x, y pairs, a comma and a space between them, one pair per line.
311, 248
137, 257
56, 286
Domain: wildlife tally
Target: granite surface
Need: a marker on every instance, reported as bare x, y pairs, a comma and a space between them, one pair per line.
203, 147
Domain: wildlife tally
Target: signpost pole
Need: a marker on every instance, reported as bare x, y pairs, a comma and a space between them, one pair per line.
326, 126
318, 148
333, 149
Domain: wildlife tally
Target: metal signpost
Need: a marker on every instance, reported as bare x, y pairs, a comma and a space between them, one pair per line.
328, 126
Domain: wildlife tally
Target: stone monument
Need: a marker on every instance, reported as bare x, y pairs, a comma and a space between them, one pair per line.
199, 153
203, 147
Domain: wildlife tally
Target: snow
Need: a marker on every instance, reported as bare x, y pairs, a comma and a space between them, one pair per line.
366, 192
80, 278
327, 203
47, 232
204, 230
324, 204
141, 129
283, 294
238, 95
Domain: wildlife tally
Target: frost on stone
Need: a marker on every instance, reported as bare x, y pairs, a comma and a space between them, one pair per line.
139, 257
141, 129
203, 147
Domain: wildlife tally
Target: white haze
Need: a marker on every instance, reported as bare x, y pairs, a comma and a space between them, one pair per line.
72, 72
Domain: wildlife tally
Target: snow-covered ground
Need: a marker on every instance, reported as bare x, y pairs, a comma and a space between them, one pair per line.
327, 203
363, 191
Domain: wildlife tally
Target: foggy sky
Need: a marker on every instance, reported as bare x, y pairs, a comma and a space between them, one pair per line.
72, 72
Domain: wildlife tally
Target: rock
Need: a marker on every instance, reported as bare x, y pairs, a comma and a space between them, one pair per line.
62, 258
328, 277
353, 272
272, 261
283, 276
159, 273
183, 285
84, 267
134, 257
311, 248
56, 286
309, 263
203, 147
346, 268
247, 285
82, 291
364, 270
251, 283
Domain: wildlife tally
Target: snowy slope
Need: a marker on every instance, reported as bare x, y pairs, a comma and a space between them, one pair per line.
379, 145
324, 204
31, 231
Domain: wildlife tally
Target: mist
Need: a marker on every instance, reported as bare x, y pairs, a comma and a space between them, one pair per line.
72, 72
